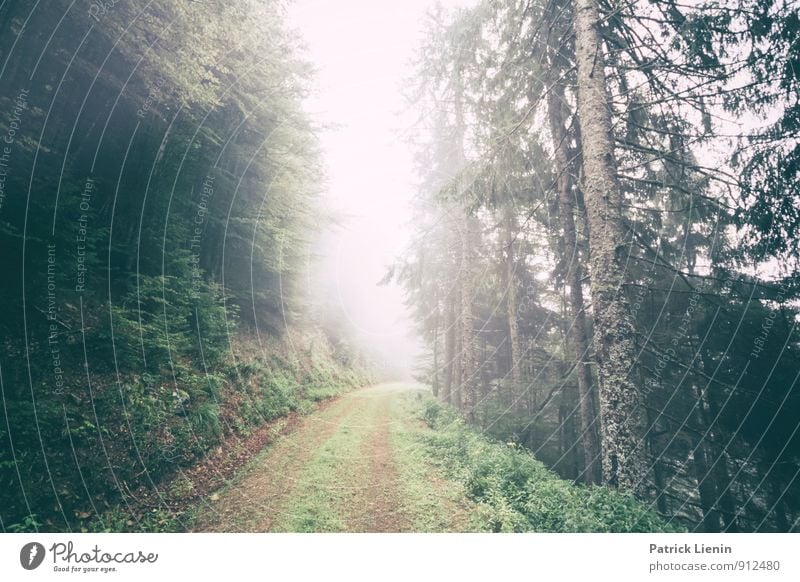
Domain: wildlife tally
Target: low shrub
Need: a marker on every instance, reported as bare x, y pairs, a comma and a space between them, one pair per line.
516, 493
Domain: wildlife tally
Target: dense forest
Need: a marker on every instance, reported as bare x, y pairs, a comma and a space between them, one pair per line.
159, 180
602, 268
605, 265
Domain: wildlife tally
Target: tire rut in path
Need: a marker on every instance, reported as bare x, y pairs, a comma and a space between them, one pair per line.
353, 465
376, 505
252, 503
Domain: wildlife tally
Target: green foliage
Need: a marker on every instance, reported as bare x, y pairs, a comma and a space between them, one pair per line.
704, 208
516, 492
27, 525
175, 424
162, 228
279, 394
118, 519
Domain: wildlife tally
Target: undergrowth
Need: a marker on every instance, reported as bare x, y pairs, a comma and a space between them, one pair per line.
150, 427
514, 492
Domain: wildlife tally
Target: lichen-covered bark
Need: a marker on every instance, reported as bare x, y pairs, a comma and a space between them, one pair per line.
579, 337
623, 464
466, 381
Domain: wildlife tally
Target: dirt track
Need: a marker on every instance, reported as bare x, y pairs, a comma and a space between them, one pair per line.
355, 465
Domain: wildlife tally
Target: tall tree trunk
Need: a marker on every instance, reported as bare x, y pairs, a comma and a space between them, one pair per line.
467, 359
709, 409
579, 337
705, 485
467, 385
449, 350
568, 451
457, 395
623, 463
726, 500
435, 379
511, 303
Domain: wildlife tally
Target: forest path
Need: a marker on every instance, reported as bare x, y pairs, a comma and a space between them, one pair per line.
356, 465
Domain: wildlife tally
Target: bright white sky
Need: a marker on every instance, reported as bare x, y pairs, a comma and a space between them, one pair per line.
362, 50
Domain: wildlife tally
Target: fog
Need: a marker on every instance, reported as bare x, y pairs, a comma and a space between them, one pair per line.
362, 51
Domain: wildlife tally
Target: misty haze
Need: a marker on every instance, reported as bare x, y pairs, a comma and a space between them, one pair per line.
420, 266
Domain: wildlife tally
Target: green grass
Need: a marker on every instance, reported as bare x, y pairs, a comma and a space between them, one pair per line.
442, 475
514, 492
434, 503
262, 389
325, 475
320, 502
328, 495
